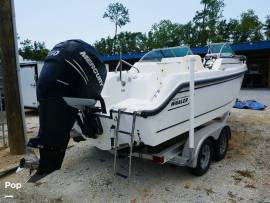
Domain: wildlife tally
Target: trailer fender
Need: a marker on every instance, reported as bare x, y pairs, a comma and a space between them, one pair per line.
212, 133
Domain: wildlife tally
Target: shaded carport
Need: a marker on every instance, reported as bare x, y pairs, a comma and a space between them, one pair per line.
257, 53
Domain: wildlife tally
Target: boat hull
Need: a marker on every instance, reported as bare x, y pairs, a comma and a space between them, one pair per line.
212, 100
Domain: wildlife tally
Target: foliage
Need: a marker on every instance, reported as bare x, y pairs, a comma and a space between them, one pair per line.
233, 31
127, 41
33, 51
164, 34
206, 21
249, 28
208, 25
131, 41
118, 14
266, 27
169, 34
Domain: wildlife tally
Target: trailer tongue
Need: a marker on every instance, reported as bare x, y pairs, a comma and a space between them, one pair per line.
72, 69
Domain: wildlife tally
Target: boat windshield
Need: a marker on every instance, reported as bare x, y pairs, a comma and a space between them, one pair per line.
222, 49
159, 54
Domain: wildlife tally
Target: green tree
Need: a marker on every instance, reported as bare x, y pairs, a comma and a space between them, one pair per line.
33, 51
104, 46
208, 25
118, 14
233, 31
129, 42
249, 28
188, 34
207, 20
266, 27
164, 34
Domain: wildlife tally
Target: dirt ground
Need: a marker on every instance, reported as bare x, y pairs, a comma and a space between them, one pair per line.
87, 173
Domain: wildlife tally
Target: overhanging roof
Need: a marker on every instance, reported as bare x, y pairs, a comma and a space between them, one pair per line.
116, 57
246, 46
250, 46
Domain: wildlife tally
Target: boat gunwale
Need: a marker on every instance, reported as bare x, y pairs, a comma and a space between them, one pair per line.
214, 81
179, 89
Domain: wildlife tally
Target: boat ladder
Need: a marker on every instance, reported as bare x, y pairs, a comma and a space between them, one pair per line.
116, 147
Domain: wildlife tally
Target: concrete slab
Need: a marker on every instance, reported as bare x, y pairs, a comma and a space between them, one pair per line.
260, 95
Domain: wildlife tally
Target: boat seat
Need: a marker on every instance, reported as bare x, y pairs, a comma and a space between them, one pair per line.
179, 65
141, 89
198, 62
151, 86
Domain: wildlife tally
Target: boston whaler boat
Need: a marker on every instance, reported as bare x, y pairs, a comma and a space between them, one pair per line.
151, 105
170, 107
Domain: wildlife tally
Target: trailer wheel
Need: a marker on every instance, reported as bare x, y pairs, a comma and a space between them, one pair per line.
204, 159
221, 145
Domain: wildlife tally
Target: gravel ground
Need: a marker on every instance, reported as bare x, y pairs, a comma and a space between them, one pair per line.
87, 173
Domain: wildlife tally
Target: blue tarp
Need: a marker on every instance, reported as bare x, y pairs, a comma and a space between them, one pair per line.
249, 104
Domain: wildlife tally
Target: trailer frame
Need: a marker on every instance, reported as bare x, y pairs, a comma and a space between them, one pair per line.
180, 154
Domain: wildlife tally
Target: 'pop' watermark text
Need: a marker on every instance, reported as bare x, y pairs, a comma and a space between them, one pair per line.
11, 185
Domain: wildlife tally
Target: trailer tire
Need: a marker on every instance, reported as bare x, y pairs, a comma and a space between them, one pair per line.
204, 159
221, 144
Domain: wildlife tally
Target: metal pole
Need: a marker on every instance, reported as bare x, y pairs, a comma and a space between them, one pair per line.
131, 143
3, 132
1, 105
9, 50
116, 142
191, 102
121, 66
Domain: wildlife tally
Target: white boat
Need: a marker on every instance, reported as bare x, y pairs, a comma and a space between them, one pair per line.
171, 106
156, 91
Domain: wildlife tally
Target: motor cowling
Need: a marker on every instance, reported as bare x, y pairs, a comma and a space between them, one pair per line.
72, 69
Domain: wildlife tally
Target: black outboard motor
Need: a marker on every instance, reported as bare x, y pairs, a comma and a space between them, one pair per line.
72, 69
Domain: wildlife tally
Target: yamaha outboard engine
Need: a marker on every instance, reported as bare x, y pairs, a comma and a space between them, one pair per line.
72, 69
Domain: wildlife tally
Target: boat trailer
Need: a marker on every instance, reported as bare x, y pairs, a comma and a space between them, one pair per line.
210, 142
202, 144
